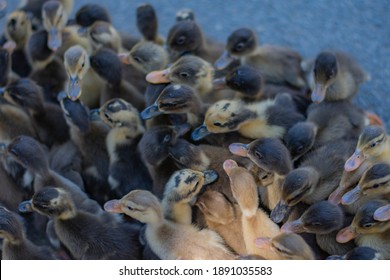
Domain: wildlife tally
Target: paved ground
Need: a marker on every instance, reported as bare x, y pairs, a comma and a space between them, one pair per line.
360, 27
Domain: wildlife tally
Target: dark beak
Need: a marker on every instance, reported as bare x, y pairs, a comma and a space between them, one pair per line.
150, 112
199, 133
210, 176
54, 40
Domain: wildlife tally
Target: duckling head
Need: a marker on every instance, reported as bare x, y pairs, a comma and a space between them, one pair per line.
18, 28
187, 155
300, 138
359, 253
241, 42
77, 64
75, 113
216, 207
371, 143
146, 56
185, 36
90, 13
174, 99
54, 19
103, 34
375, 182
139, 204
147, 22
325, 72
11, 227
364, 222
286, 246
321, 218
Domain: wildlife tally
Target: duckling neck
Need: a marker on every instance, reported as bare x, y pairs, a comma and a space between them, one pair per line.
179, 212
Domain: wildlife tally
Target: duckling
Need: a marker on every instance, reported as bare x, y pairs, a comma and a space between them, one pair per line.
147, 23
180, 190
18, 29
103, 34
154, 146
372, 147
269, 118
122, 146
336, 76
286, 246
255, 222
366, 231
300, 139
83, 233
167, 239
71, 35
90, 137
317, 176
16, 246
359, 253
323, 219
48, 118
373, 184
54, 19
278, 65
224, 217
186, 37
188, 70
271, 156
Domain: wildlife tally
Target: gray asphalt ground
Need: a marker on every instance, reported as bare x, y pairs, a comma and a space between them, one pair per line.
359, 27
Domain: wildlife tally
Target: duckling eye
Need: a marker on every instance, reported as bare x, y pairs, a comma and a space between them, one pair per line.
130, 208
316, 224
137, 59
372, 145
184, 74
375, 186
258, 155
299, 149
167, 138
240, 46
82, 65
181, 40
368, 225
217, 124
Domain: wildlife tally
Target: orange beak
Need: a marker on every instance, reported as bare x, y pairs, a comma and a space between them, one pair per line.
158, 77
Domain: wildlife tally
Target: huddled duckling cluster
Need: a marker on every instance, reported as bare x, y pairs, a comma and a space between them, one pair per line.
114, 147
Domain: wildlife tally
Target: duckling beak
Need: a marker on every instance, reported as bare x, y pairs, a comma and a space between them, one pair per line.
228, 165
25, 207
223, 61
293, 226
336, 195
113, 206
158, 77
94, 115
150, 112
280, 212
124, 58
263, 242
199, 133
318, 94
74, 88
3, 8
346, 234
219, 83
351, 196
210, 176
239, 149
382, 214
354, 161
54, 40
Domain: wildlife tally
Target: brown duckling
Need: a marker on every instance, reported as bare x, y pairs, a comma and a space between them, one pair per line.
359, 253
54, 19
186, 37
84, 234
286, 246
278, 65
48, 118
18, 29
147, 23
367, 231
167, 239
155, 146
255, 222
325, 220
337, 76
16, 246
224, 217
269, 118
122, 146
180, 192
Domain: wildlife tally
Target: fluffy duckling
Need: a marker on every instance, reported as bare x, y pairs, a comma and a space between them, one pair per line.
16, 246
18, 29
325, 220
269, 118
103, 34
359, 253
154, 146
300, 139
373, 184
278, 65
84, 234
271, 156
54, 19
286, 246
336, 76
48, 118
223, 217
186, 37
147, 23
367, 231
188, 70
122, 146
167, 239
255, 222
181, 189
